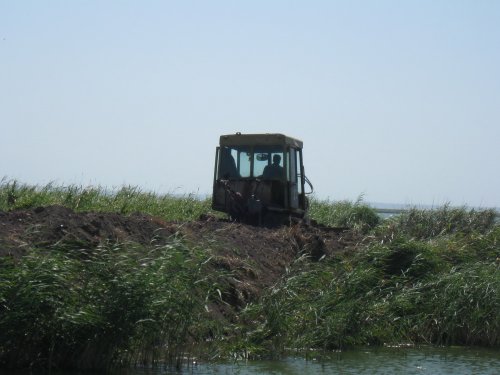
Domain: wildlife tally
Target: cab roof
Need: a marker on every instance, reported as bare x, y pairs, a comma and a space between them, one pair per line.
264, 139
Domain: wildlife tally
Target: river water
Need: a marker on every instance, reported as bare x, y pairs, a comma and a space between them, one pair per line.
387, 361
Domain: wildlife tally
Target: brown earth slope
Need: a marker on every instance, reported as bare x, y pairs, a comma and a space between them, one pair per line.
255, 257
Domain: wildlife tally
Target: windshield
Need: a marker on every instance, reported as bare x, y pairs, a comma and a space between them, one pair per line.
243, 162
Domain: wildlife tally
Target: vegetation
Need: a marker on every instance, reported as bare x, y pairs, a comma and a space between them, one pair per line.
126, 200
116, 304
425, 276
357, 215
444, 292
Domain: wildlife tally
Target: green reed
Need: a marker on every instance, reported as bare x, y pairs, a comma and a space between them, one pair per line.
429, 223
126, 200
356, 215
117, 304
443, 292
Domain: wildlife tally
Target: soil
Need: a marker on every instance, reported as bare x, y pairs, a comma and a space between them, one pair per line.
255, 257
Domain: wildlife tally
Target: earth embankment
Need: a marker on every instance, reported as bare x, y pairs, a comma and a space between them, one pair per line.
254, 257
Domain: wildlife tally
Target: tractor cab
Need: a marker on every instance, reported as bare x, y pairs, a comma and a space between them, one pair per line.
259, 178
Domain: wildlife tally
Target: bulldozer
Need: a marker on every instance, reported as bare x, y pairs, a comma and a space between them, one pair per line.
259, 179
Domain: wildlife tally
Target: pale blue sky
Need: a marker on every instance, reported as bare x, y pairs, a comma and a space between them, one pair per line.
396, 100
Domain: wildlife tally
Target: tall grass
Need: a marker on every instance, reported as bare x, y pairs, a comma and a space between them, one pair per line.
126, 200
112, 305
402, 291
356, 215
426, 224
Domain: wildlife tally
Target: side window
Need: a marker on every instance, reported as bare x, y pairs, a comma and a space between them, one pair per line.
290, 157
227, 166
298, 163
244, 162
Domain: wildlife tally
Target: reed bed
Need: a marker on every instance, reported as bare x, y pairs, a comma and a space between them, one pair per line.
442, 292
118, 304
425, 276
429, 223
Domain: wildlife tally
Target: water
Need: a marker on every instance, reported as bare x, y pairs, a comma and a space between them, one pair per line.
387, 361
456, 361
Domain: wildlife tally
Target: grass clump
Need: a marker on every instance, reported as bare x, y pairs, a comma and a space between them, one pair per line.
356, 215
117, 304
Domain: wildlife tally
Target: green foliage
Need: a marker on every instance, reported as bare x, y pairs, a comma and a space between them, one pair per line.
126, 200
348, 214
91, 308
462, 307
408, 258
425, 224
393, 292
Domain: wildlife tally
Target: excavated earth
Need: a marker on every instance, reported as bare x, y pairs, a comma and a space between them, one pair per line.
254, 257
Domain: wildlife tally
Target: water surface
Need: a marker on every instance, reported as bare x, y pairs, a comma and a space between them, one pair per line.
387, 361
370, 361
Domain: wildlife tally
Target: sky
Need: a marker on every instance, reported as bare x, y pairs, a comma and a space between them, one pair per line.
395, 101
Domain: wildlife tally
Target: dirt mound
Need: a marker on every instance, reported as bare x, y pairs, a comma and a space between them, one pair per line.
254, 257
46, 226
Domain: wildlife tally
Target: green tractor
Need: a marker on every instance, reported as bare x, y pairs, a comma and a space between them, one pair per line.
259, 179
